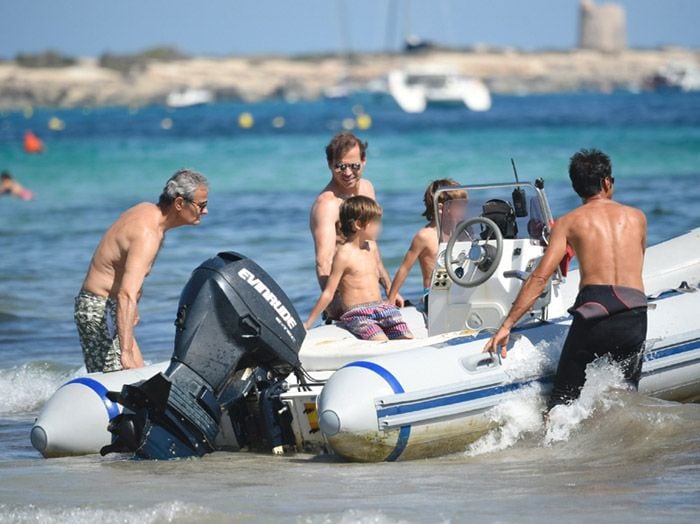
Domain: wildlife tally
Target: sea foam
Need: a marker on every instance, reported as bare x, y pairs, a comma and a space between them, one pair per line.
23, 389
522, 413
176, 511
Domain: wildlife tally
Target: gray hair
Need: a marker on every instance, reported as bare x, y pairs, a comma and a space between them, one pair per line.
184, 183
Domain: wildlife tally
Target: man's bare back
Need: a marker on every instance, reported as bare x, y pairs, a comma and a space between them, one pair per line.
609, 240
610, 312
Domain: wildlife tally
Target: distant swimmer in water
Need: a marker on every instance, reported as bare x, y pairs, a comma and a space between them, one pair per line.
106, 308
10, 186
610, 312
424, 246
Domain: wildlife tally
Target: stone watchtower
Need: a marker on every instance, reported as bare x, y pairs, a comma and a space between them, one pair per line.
602, 27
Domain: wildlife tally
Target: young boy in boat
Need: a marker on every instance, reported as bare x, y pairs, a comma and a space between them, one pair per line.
610, 312
355, 275
424, 245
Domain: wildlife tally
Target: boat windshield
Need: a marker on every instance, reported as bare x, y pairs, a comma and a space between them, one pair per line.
498, 204
432, 81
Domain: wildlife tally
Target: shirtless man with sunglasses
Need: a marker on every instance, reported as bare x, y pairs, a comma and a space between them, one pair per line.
346, 156
106, 307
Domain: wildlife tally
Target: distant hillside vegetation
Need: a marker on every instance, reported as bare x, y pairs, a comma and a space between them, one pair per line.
48, 58
138, 61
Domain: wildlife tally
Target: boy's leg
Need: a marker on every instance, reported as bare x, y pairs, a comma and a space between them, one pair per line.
360, 322
392, 324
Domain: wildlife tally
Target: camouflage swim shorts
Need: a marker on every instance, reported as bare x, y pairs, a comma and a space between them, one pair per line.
95, 317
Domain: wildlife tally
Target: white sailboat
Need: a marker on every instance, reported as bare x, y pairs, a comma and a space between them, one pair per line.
416, 87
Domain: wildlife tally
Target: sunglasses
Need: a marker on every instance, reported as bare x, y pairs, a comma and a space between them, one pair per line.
201, 205
339, 166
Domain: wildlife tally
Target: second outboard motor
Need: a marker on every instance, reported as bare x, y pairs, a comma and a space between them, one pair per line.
235, 329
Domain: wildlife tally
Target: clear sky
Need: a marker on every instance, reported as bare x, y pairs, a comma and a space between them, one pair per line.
223, 27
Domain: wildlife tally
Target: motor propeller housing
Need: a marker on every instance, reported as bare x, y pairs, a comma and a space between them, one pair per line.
231, 316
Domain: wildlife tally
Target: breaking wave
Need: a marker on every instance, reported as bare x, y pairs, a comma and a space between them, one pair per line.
23, 389
606, 411
352, 516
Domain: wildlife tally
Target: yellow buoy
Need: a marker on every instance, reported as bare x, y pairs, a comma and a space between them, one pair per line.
278, 122
348, 124
245, 120
166, 123
364, 121
56, 124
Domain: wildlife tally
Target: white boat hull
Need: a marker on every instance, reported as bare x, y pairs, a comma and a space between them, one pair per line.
423, 397
396, 411
74, 420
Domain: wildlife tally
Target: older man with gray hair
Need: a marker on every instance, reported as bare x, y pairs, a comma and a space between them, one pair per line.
106, 308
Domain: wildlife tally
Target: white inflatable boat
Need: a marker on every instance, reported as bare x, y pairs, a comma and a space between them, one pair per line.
371, 401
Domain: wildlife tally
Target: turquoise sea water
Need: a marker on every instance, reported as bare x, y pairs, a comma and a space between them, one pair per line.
622, 464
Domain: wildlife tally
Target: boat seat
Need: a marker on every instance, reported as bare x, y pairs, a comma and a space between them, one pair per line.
331, 347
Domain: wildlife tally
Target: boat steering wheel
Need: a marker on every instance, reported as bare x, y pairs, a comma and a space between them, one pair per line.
482, 259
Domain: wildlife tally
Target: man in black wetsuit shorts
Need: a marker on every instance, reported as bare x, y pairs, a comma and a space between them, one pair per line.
610, 312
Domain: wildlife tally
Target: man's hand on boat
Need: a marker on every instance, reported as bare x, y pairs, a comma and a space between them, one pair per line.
499, 339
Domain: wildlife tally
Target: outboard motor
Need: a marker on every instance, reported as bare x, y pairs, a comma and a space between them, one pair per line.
237, 337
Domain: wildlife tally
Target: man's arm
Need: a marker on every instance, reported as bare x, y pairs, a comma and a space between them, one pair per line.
408, 260
322, 225
139, 259
328, 292
385, 279
532, 288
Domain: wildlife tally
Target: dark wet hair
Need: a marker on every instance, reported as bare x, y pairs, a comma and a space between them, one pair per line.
6, 175
184, 183
587, 170
341, 143
358, 208
428, 197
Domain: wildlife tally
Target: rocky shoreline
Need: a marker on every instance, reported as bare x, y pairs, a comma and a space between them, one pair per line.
251, 79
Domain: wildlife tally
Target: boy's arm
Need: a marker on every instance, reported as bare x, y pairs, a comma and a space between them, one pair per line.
328, 292
409, 259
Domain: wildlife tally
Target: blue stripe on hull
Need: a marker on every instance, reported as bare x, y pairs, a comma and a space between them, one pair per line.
404, 431
474, 394
101, 391
462, 396
672, 350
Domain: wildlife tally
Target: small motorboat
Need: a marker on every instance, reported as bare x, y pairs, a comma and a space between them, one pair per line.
414, 89
245, 375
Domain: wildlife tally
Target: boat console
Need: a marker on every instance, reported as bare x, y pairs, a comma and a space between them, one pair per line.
491, 239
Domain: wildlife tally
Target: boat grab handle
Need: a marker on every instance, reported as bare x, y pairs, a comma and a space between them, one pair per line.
480, 362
